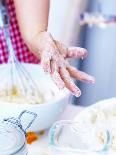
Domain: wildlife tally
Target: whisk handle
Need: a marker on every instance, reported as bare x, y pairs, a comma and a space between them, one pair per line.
4, 17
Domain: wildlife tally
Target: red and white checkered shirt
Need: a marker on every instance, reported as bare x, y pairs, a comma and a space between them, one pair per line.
22, 51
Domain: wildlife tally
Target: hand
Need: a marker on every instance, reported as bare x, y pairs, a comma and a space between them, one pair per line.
54, 61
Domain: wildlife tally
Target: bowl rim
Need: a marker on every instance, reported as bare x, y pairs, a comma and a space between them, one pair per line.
56, 100
102, 104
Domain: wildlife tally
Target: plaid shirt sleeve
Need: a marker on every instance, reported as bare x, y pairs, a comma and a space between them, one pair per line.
22, 51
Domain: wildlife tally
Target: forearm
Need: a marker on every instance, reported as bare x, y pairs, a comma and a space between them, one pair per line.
32, 18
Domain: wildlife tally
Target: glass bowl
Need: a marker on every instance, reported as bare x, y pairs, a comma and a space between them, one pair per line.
74, 138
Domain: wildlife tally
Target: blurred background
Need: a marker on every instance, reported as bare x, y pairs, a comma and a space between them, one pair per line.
100, 41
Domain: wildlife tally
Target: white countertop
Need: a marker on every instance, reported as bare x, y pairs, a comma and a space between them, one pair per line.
70, 112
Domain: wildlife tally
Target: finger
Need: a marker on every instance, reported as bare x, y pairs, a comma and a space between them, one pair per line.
79, 75
45, 61
56, 76
53, 66
71, 52
76, 52
57, 80
69, 83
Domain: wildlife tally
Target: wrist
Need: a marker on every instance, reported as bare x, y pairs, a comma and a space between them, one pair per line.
43, 39
36, 42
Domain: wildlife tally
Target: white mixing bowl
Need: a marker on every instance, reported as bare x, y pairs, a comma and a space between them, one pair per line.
47, 113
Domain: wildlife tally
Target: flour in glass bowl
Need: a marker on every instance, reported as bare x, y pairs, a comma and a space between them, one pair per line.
104, 116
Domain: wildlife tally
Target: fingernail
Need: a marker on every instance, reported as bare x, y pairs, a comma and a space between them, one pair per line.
77, 92
91, 79
84, 53
82, 58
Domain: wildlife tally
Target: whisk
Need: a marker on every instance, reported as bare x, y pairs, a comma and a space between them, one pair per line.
16, 80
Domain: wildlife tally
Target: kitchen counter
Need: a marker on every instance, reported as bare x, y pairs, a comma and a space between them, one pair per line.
70, 112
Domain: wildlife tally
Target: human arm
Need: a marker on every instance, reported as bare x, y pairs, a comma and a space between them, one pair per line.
33, 21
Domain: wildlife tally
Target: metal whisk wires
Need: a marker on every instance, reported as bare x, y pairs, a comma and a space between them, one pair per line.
18, 80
